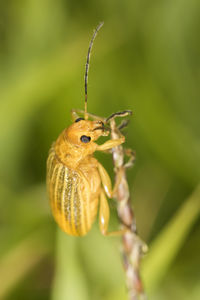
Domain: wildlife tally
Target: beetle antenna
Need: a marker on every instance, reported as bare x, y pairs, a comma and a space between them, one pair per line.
87, 64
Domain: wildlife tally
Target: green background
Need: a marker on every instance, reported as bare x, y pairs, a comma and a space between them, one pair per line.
145, 58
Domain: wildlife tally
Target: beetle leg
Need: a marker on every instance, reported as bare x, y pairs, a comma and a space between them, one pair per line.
119, 114
131, 154
104, 216
105, 179
110, 144
94, 117
74, 115
106, 182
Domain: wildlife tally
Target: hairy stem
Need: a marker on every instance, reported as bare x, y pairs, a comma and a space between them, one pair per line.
132, 247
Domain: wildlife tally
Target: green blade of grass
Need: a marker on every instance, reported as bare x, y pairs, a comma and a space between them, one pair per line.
168, 243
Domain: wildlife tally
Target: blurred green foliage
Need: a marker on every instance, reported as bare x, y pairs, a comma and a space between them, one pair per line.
146, 58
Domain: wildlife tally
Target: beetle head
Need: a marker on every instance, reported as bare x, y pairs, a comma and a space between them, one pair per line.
85, 132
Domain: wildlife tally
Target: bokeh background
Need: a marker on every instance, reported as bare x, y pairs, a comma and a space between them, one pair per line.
146, 58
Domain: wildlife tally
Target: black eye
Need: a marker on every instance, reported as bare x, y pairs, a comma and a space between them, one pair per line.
79, 119
85, 139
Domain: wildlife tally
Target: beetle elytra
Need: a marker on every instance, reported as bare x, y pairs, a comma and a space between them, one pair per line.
76, 182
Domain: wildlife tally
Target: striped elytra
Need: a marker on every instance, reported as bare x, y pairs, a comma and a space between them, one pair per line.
72, 208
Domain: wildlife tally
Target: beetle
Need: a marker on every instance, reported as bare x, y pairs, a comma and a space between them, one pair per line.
76, 181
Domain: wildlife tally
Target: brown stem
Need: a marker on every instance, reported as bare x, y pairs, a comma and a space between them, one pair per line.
132, 246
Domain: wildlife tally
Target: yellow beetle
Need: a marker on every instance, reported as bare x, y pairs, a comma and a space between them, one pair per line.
76, 181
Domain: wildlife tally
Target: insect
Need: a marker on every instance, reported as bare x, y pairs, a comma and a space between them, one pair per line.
76, 182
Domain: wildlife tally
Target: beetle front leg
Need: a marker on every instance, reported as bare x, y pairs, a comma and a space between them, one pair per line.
104, 216
119, 114
110, 144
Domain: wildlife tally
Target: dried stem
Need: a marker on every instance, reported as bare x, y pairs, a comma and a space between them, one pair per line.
133, 247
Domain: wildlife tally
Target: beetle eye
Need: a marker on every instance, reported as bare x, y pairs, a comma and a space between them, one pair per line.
79, 119
85, 139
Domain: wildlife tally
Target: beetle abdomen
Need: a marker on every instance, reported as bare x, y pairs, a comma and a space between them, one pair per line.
69, 201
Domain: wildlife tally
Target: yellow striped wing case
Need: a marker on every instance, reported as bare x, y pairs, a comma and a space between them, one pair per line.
69, 203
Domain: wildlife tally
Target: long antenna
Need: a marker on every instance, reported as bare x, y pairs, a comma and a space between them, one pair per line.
87, 64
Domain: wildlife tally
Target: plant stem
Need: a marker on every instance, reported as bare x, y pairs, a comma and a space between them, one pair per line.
132, 247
